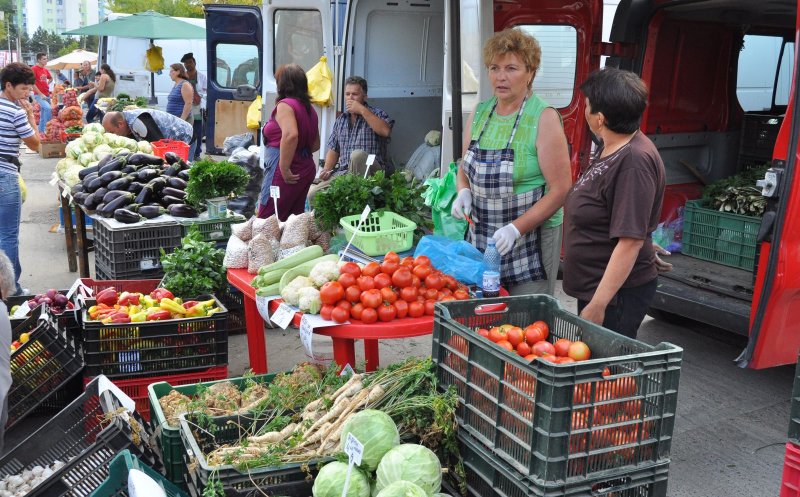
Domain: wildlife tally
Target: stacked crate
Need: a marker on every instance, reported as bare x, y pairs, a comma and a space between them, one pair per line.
132, 253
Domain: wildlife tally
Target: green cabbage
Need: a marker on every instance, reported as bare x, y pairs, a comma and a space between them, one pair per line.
113, 141
402, 488
376, 431
93, 128
411, 462
75, 148
92, 139
129, 143
144, 146
330, 482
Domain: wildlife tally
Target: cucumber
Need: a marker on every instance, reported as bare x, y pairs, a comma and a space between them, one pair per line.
269, 291
304, 269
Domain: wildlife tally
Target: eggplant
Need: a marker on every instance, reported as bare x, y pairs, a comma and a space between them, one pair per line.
133, 207
110, 176
88, 178
128, 169
118, 203
175, 182
146, 174
93, 185
140, 159
108, 197
121, 183
86, 171
168, 200
115, 164
135, 187
100, 206
172, 170
104, 160
184, 165
76, 188
151, 211
126, 216
181, 210
184, 175
80, 197
145, 195
171, 158
101, 192
157, 184
174, 192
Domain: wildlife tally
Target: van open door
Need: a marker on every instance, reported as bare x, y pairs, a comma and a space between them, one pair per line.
570, 35
234, 40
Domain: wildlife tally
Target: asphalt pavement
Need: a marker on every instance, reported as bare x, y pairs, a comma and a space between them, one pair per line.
730, 430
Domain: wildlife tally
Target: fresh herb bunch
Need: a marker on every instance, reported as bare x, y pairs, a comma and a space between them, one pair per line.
737, 194
348, 194
210, 179
195, 268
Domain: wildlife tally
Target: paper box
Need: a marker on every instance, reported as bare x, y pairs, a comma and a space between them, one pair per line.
49, 150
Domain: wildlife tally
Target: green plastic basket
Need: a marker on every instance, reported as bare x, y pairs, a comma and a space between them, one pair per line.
722, 237
116, 485
169, 438
382, 232
212, 230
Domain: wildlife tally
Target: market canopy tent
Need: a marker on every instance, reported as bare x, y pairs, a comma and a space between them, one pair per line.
148, 25
72, 60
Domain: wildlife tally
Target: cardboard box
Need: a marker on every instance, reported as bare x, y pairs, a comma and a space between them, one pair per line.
50, 150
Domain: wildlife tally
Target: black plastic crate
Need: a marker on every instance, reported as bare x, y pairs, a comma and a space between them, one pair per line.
116, 485
124, 253
759, 133
40, 368
291, 489
558, 422
86, 435
167, 347
488, 476
233, 300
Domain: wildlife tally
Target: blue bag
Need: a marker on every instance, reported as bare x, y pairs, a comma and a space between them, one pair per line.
457, 258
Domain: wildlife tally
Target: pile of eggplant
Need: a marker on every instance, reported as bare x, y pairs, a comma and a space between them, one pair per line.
131, 187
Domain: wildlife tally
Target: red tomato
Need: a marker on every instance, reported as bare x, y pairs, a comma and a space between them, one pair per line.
391, 257
352, 293
606, 372
389, 267
422, 272
402, 277
331, 292
461, 295
325, 312
533, 334
530, 357
388, 295
545, 329
416, 309
415, 281
402, 308
340, 314
496, 334
409, 293
445, 291
549, 357
365, 283
432, 294
350, 268
408, 262
429, 306
483, 332
564, 360
382, 281
371, 298
515, 336
450, 282
355, 311
579, 351
523, 349
434, 281
371, 269
562, 347
422, 260
386, 313
347, 280
542, 348
506, 345
446, 298
345, 305
369, 315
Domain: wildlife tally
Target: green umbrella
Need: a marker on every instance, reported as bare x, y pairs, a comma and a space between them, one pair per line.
148, 25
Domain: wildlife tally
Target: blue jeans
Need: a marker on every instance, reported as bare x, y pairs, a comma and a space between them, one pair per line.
270, 165
46, 112
10, 212
627, 313
197, 140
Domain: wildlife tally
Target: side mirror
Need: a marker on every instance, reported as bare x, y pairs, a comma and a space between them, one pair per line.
245, 92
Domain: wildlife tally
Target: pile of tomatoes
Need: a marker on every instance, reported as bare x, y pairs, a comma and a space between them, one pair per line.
393, 289
531, 343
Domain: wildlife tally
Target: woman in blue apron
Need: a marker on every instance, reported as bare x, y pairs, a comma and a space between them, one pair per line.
516, 172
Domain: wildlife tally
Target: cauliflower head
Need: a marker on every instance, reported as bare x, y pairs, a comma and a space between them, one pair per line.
324, 272
309, 300
291, 292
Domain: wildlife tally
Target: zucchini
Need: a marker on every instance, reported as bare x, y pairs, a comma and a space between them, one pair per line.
304, 269
269, 291
304, 255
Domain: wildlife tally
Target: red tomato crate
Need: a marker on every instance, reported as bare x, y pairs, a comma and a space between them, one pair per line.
790, 485
136, 388
161, 147
557, 425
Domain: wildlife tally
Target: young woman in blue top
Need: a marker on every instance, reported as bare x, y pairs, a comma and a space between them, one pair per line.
179, 100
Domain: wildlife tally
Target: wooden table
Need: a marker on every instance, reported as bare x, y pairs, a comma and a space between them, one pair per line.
78, 246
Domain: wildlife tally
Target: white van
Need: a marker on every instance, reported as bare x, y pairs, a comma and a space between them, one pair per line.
126, 57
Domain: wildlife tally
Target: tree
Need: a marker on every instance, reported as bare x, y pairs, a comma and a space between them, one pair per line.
173, 8
70, 47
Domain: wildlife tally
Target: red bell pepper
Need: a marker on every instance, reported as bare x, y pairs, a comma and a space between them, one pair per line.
190, 304
161, 293
107, 296
159, 315
127, 298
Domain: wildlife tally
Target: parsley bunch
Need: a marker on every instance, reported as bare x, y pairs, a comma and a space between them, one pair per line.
195, 268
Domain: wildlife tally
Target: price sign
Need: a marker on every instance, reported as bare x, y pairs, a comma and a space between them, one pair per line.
275, 191
370, 161
283, 316
307, 335
364, 215
262, 303
347, 370
79, 284
354, 450
22, 311
105, 385
148, 264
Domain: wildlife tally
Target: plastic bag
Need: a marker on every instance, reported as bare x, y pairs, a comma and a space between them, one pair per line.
424, 161
254, 114
669, 234
320, 83
439, 196
456, 258
231, 143
153, 60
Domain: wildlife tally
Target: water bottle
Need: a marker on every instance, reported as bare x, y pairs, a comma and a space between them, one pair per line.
491, 272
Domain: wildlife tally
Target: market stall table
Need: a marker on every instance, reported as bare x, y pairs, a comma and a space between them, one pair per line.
343, 336
76, 236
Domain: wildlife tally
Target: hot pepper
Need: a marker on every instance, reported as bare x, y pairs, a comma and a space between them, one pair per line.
200, 309
158, 315
161, 293
107, 296
171, 306
139, 317
127, 298
190, 303
147, 301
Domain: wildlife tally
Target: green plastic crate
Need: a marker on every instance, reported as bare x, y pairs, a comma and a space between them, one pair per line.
212, 230
169, 438
381, 232
116, 485
558, 422
721, 237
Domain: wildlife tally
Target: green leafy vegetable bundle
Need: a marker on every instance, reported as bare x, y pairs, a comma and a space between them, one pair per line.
210, 179
737, 194
195, 268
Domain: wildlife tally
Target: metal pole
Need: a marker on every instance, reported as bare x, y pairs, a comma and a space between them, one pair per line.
455, 75
8, 36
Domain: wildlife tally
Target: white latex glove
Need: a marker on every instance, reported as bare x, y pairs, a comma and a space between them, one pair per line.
462, 205
505, 238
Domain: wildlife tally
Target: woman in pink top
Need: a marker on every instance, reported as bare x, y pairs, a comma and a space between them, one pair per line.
292, 136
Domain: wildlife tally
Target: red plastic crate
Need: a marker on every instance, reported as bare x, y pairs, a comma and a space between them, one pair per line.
161, 147
790, 485
136, 388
